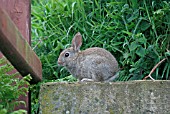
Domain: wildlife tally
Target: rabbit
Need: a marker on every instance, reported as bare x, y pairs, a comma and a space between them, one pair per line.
93, 64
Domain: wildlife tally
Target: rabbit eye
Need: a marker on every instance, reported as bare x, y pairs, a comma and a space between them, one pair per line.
67, 54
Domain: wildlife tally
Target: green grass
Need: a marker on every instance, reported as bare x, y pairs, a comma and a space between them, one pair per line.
136, 32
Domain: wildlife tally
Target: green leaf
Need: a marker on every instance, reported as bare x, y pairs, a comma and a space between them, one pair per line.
144, 25
20, 111
133, 16
167, 54
133, 46
127, 32
142, 40
132, 69
141, 51
3, 111
125, 55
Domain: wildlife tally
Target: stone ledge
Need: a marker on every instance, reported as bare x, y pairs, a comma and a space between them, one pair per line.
133, 97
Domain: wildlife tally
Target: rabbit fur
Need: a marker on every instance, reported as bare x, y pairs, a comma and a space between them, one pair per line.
92, 64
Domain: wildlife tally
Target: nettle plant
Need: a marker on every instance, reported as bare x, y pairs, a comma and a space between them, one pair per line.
11, 88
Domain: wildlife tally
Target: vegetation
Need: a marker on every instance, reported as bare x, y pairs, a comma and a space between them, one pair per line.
11, 88
136, 32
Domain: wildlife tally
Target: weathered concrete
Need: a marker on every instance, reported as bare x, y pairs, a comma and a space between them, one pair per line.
134, 97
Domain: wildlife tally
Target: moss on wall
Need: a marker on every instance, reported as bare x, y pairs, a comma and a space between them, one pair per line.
131, 97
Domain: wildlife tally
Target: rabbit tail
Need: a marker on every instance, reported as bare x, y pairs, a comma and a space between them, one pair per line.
113, 78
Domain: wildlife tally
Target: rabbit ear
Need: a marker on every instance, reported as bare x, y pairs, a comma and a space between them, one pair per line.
77, 42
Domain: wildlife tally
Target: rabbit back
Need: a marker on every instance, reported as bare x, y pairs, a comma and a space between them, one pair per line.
96, 64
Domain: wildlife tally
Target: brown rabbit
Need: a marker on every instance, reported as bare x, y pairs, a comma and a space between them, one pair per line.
92, 64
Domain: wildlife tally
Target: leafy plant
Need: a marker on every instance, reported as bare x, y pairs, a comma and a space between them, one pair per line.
11, 87
35, 88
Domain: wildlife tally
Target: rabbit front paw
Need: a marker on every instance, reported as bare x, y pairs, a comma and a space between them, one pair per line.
87, 80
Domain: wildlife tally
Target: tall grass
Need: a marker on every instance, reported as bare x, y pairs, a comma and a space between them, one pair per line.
136, 32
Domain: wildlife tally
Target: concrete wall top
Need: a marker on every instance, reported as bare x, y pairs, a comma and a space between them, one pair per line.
133, 97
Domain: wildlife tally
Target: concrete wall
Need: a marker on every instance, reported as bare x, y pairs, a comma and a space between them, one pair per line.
133, 97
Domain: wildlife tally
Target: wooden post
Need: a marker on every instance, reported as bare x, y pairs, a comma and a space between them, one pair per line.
17, 50
11, 41
19, 12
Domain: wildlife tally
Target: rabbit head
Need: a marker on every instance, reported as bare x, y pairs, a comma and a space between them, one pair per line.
68, 56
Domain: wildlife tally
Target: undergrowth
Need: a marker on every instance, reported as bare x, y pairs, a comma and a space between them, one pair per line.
136, 32
11, 88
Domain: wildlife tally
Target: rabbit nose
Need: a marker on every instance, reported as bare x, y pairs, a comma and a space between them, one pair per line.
60, 62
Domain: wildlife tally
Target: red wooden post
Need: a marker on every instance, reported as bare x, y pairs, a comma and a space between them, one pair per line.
19, 12
17, 50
